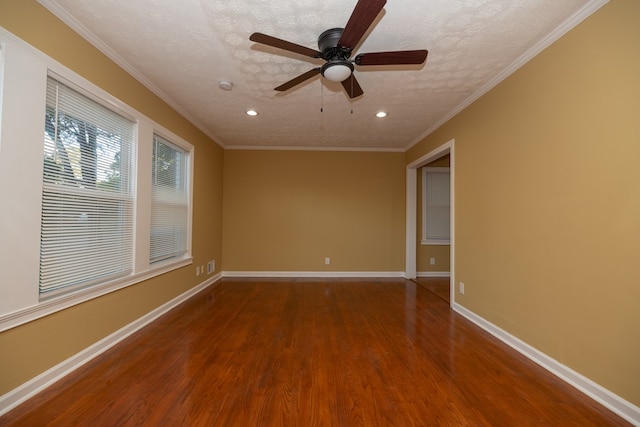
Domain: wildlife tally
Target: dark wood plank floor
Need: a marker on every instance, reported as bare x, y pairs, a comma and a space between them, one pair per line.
311, 353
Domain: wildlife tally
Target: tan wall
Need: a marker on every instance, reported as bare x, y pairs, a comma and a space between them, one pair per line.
548, 200
441, 253
32, 348
547, 232
288, 210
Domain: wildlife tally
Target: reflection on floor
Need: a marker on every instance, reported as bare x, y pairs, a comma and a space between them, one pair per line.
310, 352
436, 285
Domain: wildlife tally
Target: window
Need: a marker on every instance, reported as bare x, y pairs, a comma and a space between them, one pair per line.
169, 204
87, 198
1, 84
76, 165
435, 206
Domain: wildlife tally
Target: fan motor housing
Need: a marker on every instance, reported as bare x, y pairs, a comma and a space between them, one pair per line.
328, 45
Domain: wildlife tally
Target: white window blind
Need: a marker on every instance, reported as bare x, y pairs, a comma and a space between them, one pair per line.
436, 206
170, 201
87, 201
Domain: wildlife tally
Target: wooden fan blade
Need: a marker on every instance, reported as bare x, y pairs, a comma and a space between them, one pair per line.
361, 19
296, 81
401, 57
352, 87
283, 44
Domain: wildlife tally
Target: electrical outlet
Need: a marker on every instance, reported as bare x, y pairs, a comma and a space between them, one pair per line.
461, 288
327, 261
211, 266
197, 270
432, 261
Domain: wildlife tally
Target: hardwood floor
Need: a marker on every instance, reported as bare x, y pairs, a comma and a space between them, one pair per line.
437, 285
254, 352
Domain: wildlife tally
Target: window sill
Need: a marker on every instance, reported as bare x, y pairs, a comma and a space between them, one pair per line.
433, 242
47, 307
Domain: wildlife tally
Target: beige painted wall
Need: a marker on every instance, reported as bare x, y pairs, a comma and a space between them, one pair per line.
547, 232
32, 348
288, 210
548, 200
425, 252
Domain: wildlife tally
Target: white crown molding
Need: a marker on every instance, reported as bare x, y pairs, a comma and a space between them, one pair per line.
615, 403
586, 11
298, 148
32, 387
88, 35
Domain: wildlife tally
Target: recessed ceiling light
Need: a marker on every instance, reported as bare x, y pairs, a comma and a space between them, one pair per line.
381, 114
225, 85
252, 113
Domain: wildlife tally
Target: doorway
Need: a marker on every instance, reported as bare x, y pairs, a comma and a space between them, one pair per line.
411, 212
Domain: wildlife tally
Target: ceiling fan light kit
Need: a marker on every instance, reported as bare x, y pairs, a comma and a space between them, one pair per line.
336, 45
337, 70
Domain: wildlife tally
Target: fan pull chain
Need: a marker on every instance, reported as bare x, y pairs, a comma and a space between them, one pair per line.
351, 94
321, 97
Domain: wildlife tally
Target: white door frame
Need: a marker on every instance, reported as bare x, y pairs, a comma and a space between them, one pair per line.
411, 211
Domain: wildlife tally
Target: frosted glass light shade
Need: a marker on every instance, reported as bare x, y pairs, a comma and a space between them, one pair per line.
337, 72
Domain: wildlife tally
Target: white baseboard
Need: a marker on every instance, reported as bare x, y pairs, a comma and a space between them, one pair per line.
433, 274
615, 403
29, 389
313, 274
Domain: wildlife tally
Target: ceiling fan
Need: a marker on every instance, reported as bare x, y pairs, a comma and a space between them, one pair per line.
336, 45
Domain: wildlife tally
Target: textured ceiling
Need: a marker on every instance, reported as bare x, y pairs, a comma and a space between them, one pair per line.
181, 49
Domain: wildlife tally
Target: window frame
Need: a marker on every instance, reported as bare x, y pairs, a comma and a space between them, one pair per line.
101, 117
24, 76
188, 179
426, 240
